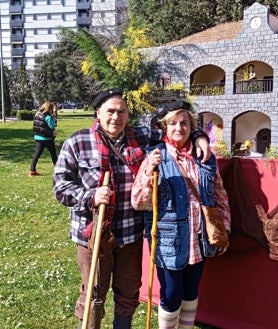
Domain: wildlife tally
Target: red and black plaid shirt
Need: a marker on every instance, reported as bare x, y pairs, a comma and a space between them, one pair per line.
76, 177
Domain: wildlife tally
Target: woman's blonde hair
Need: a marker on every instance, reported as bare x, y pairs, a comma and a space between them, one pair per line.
47, 107
193, 117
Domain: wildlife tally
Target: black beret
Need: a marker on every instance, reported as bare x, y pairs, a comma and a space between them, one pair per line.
177, 105
105, 95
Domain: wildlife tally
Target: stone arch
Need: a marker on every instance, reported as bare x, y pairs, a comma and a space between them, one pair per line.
207, 80
251, 109
246, 125
253, 77
212, 124
205, 62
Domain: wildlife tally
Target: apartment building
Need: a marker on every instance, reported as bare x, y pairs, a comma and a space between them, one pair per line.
30, 27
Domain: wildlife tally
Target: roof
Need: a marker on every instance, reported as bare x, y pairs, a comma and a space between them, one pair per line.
223, 31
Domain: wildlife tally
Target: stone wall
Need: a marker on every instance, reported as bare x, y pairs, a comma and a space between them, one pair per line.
251, 44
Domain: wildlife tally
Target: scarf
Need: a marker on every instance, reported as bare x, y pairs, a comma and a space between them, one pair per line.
134, 158
181, 152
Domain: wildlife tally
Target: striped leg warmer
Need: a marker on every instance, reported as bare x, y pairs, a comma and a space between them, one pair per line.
167, 320
187, 314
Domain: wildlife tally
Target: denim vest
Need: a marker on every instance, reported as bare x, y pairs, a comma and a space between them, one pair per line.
173, 229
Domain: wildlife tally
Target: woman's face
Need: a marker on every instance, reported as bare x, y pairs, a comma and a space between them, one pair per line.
178, 129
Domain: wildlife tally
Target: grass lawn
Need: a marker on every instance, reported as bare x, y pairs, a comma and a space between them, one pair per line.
39, 279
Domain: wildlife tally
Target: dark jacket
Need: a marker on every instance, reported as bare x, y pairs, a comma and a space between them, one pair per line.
40, 126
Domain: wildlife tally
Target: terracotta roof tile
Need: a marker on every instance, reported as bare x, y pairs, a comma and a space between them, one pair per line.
220, 32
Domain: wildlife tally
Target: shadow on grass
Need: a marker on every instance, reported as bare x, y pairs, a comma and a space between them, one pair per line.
18, 145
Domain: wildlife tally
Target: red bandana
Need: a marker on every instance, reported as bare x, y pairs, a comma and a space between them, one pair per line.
183, 152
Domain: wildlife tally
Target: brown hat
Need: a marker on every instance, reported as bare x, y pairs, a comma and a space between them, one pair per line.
105, 95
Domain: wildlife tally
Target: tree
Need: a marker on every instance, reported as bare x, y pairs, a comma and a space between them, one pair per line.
57, 75
6, 92
20, 89
120, 65
173, 20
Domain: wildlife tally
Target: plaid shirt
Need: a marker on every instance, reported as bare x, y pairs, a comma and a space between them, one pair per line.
76, 177
142, 199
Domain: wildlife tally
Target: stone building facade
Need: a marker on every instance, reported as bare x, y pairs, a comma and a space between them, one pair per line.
232, 71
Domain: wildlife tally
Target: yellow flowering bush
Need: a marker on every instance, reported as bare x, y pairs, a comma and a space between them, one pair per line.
136, 99
175, 86
247, 144
221, 149
124, 60
271, 152
244, 74
137, 36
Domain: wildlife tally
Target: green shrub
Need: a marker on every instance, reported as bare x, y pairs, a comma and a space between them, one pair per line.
14, 112
25, 115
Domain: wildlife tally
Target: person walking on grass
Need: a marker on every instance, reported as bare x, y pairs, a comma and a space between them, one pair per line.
111, 144
44, 125
182, 242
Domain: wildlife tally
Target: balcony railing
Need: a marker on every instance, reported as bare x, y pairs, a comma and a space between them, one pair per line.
17, 38
207, 89
83, 5
255, 86
19, 52
83, 20
16, 23
14, 9
164, 95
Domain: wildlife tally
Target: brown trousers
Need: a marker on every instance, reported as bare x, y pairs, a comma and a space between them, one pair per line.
122, 265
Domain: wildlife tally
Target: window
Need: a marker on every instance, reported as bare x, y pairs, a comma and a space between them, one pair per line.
15, 17
42, 31
54, 2
41, 2
16, 60
55, 16
42, 46
41, 17
54, 31
17, 46
16, 31
28, 4
15, 2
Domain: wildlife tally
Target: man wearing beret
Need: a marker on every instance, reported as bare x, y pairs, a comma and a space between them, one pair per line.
111, 144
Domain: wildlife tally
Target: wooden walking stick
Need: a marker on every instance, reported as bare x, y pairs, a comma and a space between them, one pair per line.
153, 245
95, 254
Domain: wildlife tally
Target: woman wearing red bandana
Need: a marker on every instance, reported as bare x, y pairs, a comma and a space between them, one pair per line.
78, 177
182, 243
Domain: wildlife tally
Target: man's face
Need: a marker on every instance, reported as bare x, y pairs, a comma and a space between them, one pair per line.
113, 116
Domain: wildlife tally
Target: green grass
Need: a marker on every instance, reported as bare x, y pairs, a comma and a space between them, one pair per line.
39, 279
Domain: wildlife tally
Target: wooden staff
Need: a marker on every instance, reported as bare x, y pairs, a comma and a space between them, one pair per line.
95, 254
153, 245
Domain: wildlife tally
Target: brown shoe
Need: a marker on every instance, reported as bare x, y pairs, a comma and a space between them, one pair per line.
34, 173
